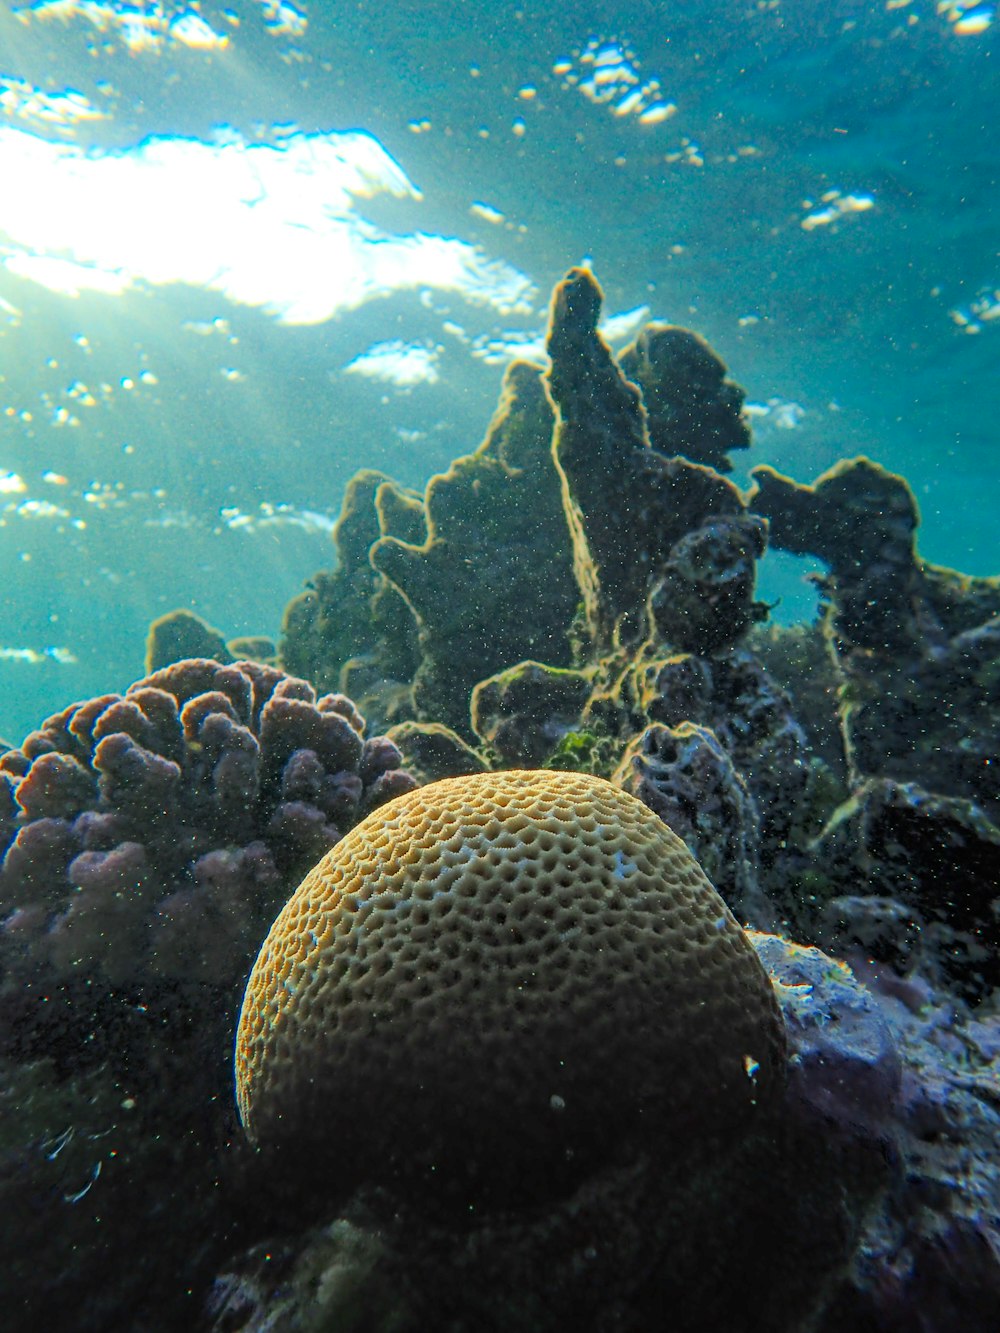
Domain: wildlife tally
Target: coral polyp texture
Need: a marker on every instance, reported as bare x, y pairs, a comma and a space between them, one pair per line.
154, 833
498, 981
686, 776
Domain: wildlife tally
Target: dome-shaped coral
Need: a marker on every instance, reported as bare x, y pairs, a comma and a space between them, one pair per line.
493, 983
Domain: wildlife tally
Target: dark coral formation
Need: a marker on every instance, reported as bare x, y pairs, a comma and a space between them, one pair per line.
180, 634
477, 614
156, 832
350, 613
523, 713
687, 777
578, 491
753, 720
797, 657
930, 869
907, 868
639, 520
692, 407
119, 1188
917, 645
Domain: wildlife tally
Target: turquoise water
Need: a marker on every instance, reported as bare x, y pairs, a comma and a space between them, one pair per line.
249, 249
246, 250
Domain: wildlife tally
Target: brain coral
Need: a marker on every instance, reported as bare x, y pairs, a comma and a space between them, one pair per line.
496, 982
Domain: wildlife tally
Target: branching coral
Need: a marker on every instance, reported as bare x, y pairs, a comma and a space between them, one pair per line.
156, 831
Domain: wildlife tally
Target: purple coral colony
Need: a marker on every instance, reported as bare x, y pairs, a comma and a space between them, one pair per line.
578, 593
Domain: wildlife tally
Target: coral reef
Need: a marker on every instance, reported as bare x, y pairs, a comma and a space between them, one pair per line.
180, 634
508, 1060
539, 940
479, 614
917, 645
523, 713
844, 1067
156, 832
638, 519
350, 613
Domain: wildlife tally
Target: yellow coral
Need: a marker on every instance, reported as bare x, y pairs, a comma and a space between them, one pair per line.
495, 982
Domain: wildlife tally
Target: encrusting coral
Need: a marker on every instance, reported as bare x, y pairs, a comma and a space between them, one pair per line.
504, 965
735, 702
685, 776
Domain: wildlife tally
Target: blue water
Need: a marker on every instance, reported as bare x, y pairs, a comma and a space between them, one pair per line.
812, 186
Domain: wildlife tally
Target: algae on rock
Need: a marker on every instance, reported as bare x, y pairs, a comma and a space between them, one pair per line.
349, 611
692, 407
524, 713
639, 520
492, 584
916, 644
